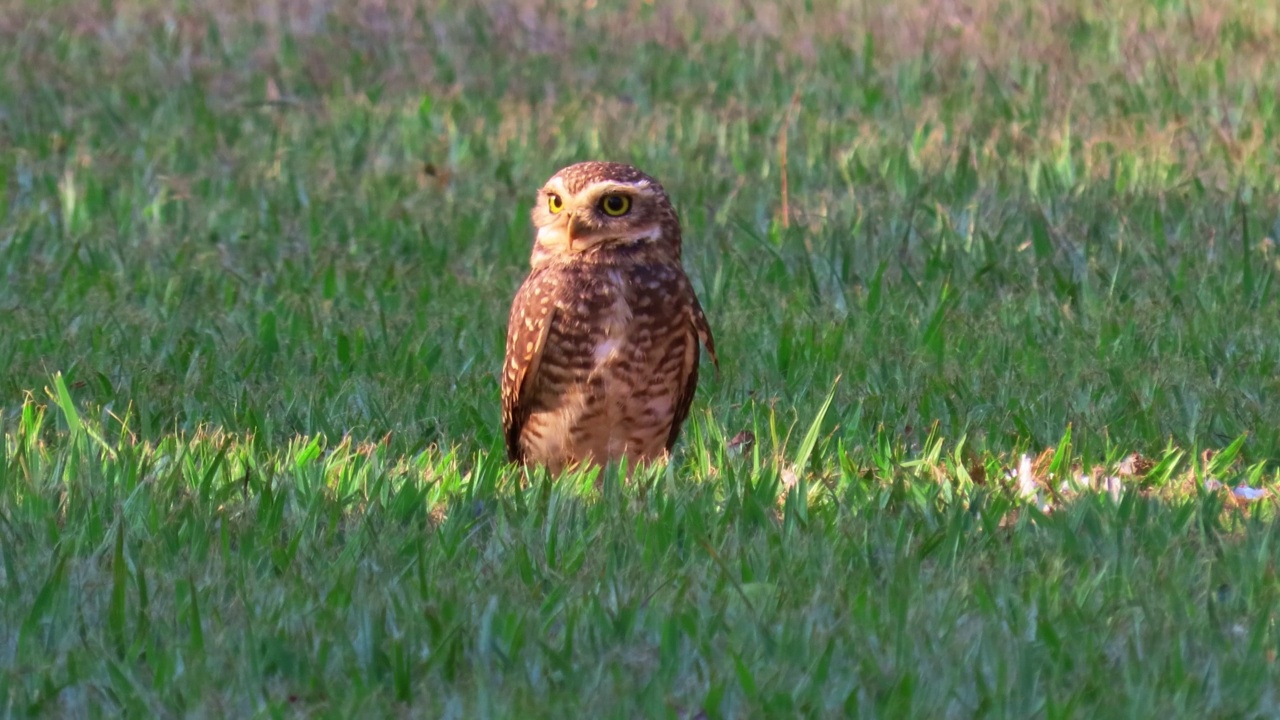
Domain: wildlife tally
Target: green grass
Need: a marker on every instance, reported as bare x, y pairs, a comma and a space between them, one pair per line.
254, 272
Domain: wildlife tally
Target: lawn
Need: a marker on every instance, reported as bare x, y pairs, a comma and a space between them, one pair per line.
994, 290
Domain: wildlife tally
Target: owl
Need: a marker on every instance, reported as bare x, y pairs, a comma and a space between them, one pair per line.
603, 338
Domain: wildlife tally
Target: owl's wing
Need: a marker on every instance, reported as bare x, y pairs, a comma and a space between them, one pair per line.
531, 317
699, 321
699, 332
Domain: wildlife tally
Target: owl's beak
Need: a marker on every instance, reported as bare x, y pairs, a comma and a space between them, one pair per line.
574, 230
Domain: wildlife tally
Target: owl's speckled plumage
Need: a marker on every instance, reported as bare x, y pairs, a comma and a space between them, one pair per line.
602, 343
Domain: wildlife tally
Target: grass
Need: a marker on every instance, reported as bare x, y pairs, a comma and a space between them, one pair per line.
254, 270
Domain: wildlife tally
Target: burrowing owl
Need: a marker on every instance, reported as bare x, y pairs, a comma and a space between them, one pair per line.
602, 343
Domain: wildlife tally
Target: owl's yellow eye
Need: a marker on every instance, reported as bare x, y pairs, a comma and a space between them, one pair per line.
615, 205
554, 203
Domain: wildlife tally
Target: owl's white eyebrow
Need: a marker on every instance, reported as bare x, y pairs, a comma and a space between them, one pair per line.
556, 185
605, 186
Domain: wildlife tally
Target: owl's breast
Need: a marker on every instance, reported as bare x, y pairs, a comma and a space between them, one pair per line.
614, 365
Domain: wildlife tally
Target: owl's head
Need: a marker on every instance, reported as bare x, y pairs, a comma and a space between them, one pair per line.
600, 207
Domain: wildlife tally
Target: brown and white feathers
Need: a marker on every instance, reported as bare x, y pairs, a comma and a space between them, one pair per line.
604, 334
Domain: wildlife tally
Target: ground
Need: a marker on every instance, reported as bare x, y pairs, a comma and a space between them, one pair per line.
993, 287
